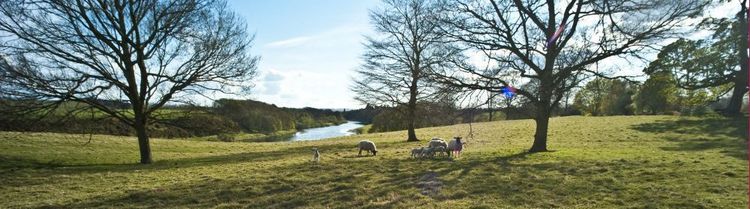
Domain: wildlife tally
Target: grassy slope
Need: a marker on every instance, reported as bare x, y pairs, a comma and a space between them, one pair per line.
600, 162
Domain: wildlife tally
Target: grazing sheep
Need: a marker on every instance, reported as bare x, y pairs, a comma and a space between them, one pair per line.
456, 146
367, 146
428, 152
316, 155
437, 142
417, 152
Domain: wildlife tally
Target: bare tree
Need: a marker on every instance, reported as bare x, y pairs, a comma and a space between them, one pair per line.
520, 36
398, 61
149, 52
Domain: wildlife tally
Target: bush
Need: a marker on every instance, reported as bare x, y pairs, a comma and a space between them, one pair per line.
205, 124
226, 137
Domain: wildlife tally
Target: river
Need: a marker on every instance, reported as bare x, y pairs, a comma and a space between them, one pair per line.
326, 132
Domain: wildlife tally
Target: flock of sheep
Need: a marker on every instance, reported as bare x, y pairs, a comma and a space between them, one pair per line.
435, 146
438, 146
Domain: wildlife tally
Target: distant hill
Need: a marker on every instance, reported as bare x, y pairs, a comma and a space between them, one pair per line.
225, 116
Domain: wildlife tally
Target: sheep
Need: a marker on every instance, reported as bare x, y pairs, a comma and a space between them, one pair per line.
367, 146
456, 146
316, 155
428, 152
437, 142
417, 152
441, 149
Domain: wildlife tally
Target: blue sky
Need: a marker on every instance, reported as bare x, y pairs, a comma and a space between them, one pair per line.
309, 49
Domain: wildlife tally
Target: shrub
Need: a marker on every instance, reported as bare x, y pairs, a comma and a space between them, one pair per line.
226, 137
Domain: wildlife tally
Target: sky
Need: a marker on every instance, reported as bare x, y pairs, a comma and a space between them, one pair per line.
309, 49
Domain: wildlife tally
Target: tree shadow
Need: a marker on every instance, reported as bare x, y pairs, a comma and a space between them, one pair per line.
51, 169
729, 135
387, 182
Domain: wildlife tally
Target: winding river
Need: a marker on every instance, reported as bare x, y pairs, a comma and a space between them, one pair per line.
326, 132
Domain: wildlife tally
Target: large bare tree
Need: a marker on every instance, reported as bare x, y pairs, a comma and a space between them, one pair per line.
147, 52
398, 61
520, 36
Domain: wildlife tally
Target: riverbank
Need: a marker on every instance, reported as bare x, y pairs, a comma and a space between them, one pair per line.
362, 130
226, 116
316, 133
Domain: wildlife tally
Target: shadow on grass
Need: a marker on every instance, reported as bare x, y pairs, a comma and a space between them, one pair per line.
53, 168
378, 183
395, 183
728, 135
385, 182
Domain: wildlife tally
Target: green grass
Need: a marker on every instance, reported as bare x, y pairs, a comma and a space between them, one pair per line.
598, 162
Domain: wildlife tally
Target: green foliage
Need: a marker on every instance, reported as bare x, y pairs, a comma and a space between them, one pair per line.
701, 64
225, 137
205, 124
605, 97
254, 116
600, 162
228, 116
657, 95
363, 130
311, 117
705, 69
259, 117
364, 115
428, 114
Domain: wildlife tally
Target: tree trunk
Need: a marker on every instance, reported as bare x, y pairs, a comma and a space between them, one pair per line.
411, 112
143, 142
507, 111
735, 102
411, 120
489, 107
542, 124
543, 109
740, 80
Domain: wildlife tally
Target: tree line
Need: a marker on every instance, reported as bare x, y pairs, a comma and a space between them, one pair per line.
225, 116
547, 53
152, 53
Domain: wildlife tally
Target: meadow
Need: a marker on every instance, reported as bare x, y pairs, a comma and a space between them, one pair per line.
596, 162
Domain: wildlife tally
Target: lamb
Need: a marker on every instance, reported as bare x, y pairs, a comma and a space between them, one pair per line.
456, 145
428, 152
367, 146
316, 155
437, 142
417, 152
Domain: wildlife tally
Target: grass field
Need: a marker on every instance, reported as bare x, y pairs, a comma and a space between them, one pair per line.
598, 162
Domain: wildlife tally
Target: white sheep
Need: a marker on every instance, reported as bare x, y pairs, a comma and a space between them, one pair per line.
367, 146
437, 142
456, 146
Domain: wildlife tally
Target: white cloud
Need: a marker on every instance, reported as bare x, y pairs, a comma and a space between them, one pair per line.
273, 76
311, 70
270, 83
292, 42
